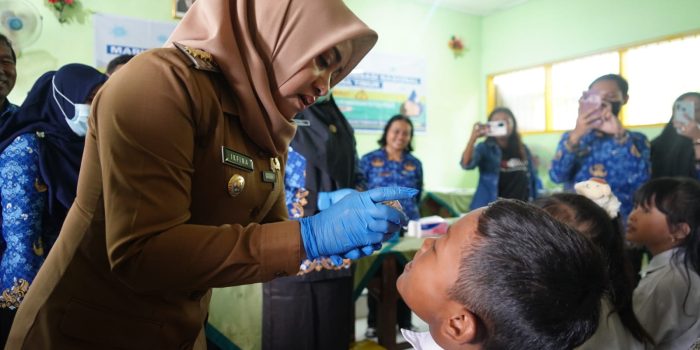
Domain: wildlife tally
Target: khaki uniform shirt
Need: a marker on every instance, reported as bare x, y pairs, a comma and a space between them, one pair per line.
154, 225
667, 301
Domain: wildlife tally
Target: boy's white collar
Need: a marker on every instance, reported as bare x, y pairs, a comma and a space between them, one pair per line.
420, 340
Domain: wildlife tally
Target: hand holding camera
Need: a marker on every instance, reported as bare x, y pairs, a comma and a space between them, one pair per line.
477, 131
492, 128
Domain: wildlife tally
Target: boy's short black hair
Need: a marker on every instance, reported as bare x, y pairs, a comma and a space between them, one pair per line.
533, 282
121, 59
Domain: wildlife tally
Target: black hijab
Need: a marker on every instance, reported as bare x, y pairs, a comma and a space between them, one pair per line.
328, 144
60, 149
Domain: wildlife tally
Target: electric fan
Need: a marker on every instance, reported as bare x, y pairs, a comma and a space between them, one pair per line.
20, 22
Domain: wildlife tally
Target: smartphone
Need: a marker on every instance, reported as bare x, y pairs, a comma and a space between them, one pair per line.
496, 128
591, 100
684, 112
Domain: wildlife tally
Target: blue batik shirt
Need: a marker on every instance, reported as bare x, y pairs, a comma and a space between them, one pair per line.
23, 200
378, 171
294, 183
623, 162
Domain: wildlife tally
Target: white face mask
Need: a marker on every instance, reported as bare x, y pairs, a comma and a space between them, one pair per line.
79, 121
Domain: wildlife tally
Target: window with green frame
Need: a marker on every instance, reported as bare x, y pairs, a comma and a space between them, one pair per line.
545, 98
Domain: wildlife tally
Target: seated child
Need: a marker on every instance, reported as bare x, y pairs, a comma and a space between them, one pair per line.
618, 327
507, 276
666, 219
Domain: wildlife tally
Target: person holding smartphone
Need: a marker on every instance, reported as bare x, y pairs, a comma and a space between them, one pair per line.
505, 164
600, 147
676, 152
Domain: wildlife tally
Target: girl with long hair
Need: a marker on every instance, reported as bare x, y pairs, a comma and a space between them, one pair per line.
666, 220
505, 164
618, 327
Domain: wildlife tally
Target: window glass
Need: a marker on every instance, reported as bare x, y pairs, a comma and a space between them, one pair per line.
523, 93
658, 73
570, 79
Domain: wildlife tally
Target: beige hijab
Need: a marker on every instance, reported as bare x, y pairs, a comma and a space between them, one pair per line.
260, 44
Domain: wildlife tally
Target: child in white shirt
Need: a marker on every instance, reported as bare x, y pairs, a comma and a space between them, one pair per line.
666, 219
618, 326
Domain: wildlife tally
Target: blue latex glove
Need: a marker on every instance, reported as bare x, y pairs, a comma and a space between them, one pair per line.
356, 221
326, 199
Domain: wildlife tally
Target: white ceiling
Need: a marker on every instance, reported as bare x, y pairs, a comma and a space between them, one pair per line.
475, 7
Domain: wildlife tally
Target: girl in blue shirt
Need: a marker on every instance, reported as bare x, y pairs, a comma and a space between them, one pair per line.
505, 165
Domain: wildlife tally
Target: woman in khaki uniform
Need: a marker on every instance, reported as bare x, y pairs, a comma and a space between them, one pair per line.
181, 185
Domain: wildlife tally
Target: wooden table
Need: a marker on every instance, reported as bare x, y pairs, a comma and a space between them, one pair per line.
383, 287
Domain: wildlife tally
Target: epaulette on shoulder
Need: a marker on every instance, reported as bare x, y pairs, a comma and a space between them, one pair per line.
200, 59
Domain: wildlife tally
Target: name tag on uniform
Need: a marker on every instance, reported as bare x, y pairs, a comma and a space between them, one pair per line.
269, 176
235, 159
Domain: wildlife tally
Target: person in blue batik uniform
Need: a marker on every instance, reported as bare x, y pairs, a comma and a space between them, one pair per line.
600, 147
41, 147
295, 192
8, 76
326, 141
393, 165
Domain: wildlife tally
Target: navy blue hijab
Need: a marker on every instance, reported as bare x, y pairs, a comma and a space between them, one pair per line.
60, 149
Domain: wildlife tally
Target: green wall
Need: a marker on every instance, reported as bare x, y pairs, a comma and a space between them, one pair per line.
60, 44
536, 32
454, 86
541, 31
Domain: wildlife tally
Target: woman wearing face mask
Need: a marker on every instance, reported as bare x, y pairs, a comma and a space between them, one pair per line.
600, 147
181, 188
41, 147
